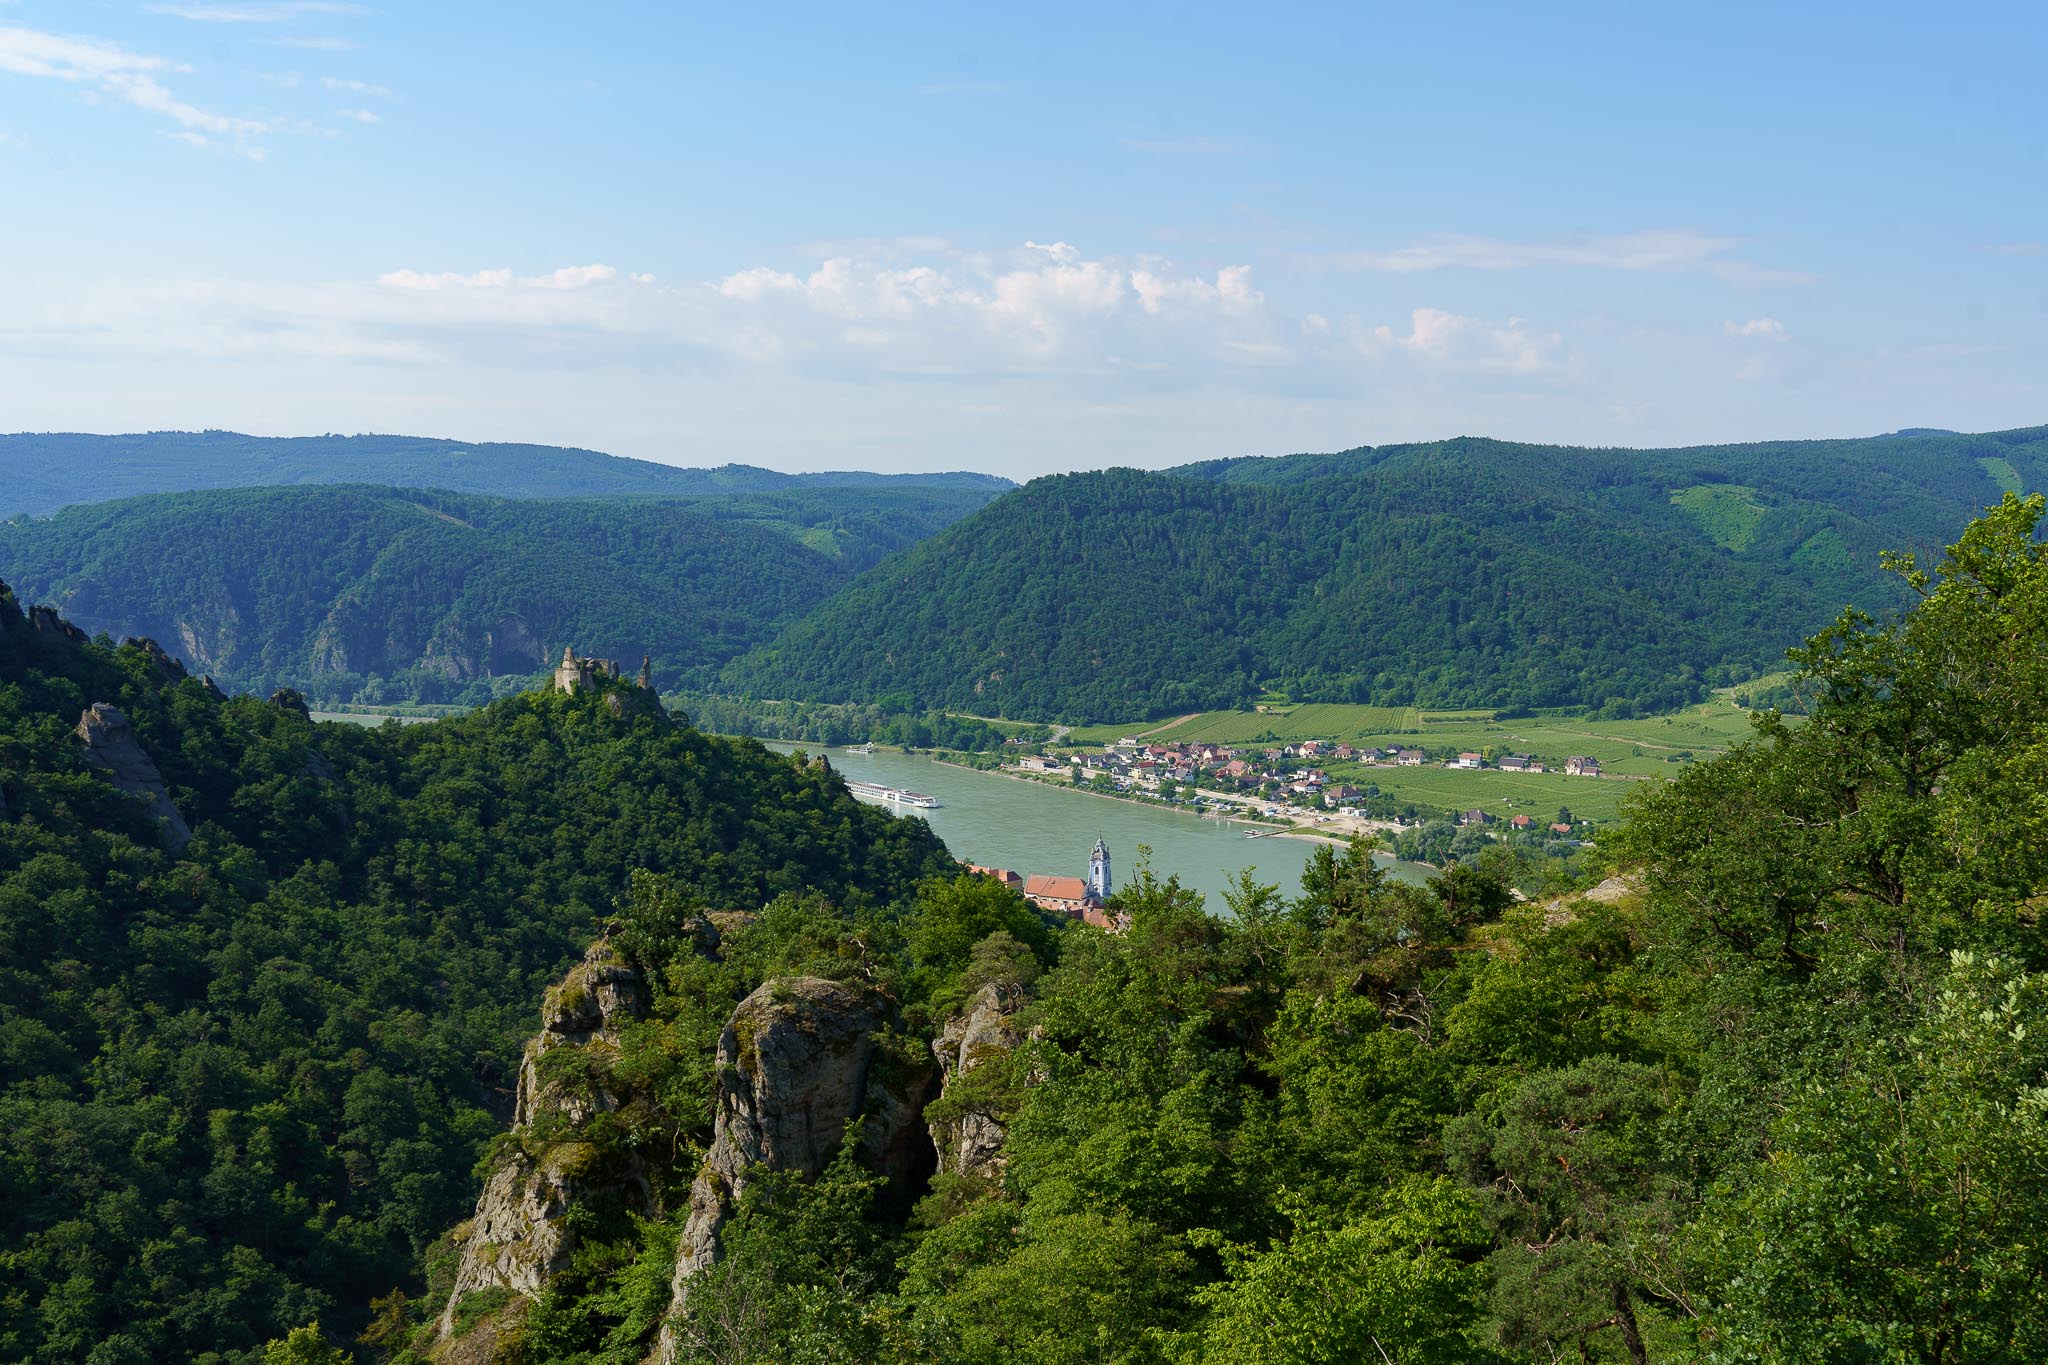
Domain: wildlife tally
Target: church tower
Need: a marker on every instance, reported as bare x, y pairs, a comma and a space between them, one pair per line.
1098, 871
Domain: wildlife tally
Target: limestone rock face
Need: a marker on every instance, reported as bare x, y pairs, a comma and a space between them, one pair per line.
110, 746
46, 621
520, 1235
291, 699
168, 668
587, 1007
970, 1142
800, 1057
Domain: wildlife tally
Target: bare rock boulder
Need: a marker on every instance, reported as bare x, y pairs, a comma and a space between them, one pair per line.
965, 1130
800, 1058
520, 1235
111, 747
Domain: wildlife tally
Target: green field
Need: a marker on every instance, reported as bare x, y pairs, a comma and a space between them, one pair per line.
1311, 720
1729, 513
1498, 794
1653, 747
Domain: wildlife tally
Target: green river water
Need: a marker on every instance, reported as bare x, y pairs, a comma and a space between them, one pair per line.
1033, 827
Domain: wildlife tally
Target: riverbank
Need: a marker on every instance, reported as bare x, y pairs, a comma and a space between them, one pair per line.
1353, 825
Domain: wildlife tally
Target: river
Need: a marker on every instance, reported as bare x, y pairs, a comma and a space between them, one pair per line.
1034, 827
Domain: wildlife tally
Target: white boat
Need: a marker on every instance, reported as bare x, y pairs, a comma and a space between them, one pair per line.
894, 796
867, 748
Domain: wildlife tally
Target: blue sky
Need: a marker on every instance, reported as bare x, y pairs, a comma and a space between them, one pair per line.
1021, 240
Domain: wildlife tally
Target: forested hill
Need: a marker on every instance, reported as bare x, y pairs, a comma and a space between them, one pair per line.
40, 472
1463, 572
381, 594
243, 1082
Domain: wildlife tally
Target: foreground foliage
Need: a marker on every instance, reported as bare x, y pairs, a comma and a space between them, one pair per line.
244, 1087
1786, 1101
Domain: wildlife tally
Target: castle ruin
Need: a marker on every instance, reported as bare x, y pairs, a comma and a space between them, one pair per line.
574, 672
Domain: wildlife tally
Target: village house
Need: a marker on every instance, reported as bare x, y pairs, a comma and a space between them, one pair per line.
1409, 758
1475, 817
1469, 761
1560, 828
1339, 795
1512, 763
1523, 821
1582, 767
1001, 874
1061, 895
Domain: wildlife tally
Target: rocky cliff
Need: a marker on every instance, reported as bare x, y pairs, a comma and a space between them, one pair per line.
521, 1233
801, 1058
111, 746
965, 1128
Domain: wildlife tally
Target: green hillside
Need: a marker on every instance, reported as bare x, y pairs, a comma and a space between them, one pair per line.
381, 594
243, 1085
1461, 573
1771, 1093
42, 471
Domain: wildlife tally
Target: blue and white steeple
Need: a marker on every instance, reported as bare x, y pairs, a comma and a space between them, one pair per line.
1098, 871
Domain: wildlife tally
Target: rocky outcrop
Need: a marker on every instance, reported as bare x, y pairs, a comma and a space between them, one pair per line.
46, 621
111, 746
520, 1235
293, 700
801, 1057
967, 1135
168, 668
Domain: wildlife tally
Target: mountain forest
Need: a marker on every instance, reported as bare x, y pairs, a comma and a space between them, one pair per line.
372, 594
41, 472
1454, 574
285, 1079
1446, 575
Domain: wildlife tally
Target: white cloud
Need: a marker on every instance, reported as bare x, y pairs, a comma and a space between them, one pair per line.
143, 92
27, 52
1671, 250
1232, 289
1451, 341
1043, 295
111, 70
278, 13
360, 115
446, 279
571, 277
311, 44
355, 87
568, 277
1768, 329
2018, 248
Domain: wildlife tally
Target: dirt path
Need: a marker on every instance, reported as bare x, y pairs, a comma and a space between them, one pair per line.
1162, 729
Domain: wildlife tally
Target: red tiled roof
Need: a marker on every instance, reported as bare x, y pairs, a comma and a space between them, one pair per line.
1055, 888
